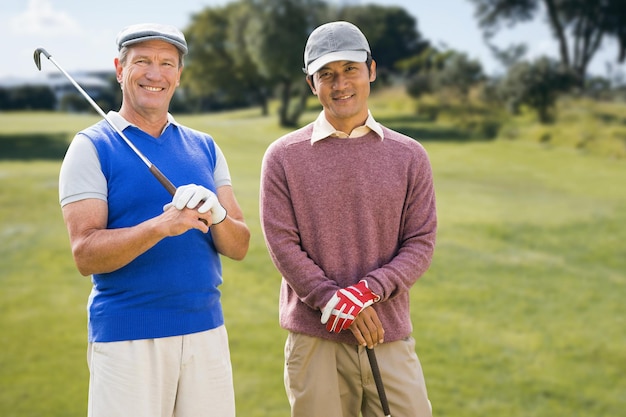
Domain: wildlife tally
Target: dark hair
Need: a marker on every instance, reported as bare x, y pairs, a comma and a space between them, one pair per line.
368, 62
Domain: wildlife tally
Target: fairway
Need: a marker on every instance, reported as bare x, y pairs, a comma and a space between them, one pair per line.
521, 314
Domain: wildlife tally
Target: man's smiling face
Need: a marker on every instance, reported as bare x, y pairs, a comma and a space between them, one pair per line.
149, 76
343, 88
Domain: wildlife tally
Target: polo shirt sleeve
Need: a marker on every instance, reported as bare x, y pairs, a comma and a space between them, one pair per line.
81, 176
221, 174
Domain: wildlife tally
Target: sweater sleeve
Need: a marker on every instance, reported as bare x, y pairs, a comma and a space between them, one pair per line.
417, 234
282, 238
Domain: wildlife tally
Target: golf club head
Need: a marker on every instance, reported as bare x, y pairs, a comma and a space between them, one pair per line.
37, 56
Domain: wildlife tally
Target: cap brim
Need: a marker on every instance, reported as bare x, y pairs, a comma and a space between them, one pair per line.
353, 56
176, 43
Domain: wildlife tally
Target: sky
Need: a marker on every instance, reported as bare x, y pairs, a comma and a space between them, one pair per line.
80, 35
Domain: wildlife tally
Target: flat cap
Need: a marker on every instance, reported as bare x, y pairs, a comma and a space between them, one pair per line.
149, 31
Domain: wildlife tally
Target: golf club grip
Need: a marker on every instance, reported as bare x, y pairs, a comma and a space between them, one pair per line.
163, 179
378, 380
166, 183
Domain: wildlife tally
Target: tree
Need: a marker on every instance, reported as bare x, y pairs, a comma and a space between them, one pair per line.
74, 102
250, 50
391, 32
5, 101
615, 26
578, 25
459, 73
29, 97
428, 60
433, 70
218, 71
509, 56
537, 85
275, 40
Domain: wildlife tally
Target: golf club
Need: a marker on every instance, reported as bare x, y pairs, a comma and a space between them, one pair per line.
153, 169
371, 355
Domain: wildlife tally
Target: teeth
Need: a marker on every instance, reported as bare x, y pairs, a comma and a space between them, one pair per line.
153, 88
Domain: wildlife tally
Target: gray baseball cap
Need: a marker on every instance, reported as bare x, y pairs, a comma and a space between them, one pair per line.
334, 41
148, 31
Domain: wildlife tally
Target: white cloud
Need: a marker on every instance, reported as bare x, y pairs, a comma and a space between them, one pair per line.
40, 19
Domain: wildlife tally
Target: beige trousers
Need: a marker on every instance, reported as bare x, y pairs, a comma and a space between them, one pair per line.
181, 376
324, 378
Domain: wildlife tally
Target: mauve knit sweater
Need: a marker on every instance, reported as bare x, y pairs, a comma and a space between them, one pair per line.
341, 210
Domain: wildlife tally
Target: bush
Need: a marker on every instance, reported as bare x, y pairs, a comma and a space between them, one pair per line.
590, 126
537, 85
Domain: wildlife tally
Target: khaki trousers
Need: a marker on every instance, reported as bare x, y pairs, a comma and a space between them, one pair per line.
324, 379
181, 376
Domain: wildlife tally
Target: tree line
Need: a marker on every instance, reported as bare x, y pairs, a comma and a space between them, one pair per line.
247, 52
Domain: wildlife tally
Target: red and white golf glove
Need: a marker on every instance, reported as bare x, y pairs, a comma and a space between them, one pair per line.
192, 195
341, 310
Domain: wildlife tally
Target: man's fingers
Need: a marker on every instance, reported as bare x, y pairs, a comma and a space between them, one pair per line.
182, 196
367, 328
208, 203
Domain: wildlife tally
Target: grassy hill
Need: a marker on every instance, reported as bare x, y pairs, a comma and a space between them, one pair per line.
521, 314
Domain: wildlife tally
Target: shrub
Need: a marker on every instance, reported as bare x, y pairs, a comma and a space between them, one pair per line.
537, 85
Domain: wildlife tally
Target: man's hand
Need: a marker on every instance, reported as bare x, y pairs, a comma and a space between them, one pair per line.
341, 310
367, 328
200, 198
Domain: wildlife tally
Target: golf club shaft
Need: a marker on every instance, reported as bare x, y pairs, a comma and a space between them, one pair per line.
153, 169
371, 355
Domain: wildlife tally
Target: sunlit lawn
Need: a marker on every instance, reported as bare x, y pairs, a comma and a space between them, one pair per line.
521, 314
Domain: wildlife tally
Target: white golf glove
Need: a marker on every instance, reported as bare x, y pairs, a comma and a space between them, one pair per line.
192, 195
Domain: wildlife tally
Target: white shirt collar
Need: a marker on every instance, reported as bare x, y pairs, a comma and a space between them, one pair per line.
122, 123
322, 129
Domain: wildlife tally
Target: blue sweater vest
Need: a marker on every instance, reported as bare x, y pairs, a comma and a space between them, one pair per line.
172, 289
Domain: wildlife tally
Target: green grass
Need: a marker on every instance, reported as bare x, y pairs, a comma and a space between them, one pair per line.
592, 127
521, 314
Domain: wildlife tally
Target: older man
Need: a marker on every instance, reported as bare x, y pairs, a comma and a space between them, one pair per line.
157, 341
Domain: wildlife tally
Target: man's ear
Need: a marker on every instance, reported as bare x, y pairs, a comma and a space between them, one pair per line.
180, 73
309, 81
373, 71
118, 70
